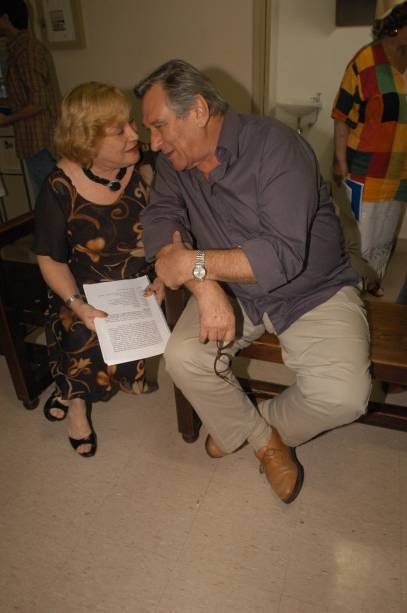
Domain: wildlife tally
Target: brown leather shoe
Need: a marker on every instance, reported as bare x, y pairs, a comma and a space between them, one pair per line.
212, 449
216, 452
283, 471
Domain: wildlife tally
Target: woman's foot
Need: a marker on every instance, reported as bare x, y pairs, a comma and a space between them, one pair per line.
149, 387
81, 436
89, 441
55, 409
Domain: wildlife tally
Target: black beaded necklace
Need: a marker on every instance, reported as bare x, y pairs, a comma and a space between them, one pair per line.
113, 185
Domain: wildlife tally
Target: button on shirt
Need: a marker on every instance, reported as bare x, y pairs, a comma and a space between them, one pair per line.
266, 197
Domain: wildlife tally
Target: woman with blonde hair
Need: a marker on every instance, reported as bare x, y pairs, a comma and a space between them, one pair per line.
88, 231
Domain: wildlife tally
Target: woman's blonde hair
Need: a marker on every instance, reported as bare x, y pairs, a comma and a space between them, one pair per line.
86, 111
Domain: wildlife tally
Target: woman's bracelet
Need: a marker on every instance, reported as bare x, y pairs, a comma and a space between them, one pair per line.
72, 299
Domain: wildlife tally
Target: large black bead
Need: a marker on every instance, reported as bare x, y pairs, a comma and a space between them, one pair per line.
114, 186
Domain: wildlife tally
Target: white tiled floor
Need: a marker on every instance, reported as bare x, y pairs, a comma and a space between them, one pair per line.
152, 525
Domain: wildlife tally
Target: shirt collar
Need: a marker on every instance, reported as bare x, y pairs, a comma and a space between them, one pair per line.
229, 138
227, 149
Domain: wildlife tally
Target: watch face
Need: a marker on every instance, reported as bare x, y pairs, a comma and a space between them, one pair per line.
199, 272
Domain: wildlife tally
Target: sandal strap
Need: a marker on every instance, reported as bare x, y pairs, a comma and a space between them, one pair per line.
54, 403
88, 440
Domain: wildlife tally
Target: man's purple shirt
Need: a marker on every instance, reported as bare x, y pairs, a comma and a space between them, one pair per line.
268, 198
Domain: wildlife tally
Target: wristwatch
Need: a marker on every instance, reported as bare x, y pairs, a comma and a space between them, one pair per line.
199, 270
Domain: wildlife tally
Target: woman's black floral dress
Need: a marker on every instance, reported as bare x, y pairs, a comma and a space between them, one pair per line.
99, 243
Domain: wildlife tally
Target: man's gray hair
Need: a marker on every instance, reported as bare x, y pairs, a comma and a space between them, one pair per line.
181, 83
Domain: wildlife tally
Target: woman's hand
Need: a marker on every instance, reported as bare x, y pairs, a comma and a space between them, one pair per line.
87, 313
156, 288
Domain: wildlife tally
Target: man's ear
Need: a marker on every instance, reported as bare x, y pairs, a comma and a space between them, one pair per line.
201, 111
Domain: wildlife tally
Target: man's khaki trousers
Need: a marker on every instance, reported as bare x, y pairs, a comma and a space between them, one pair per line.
328, 348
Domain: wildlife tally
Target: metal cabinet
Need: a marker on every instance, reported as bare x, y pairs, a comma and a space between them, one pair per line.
23, 300
23, 295
15, 195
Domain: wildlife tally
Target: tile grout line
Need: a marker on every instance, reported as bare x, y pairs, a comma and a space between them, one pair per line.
183, 546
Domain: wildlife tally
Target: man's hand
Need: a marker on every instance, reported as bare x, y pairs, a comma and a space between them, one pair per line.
216, 315
174, 263
156, 288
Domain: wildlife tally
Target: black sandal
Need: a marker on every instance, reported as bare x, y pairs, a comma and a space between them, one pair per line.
149, 388
88, 440
53, 403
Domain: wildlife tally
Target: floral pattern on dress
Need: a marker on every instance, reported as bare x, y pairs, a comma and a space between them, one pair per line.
104, 243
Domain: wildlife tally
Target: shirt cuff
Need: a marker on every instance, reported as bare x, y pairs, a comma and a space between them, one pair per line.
265, 264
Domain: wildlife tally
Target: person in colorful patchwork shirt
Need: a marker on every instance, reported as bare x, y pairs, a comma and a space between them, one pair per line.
370, 113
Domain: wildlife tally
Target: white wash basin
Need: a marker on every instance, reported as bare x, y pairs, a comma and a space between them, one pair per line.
299, 109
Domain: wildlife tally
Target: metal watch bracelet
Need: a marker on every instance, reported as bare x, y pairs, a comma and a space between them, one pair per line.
72, 299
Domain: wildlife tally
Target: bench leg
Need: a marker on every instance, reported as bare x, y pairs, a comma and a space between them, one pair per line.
384, 415
188, 421
30, 373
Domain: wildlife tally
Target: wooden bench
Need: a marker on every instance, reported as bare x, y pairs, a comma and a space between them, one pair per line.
388, 328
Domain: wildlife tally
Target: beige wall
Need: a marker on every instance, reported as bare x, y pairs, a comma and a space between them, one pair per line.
310, 55
125, 39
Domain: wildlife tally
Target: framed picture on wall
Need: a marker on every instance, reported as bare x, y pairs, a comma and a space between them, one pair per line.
61, 23
355, 12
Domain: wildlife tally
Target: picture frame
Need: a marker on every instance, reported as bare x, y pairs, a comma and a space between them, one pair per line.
61, 23
355, 12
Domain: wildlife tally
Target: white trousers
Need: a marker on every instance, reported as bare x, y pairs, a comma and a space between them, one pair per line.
378, 226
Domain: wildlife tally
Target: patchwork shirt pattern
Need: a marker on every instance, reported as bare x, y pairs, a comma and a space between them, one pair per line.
372, 101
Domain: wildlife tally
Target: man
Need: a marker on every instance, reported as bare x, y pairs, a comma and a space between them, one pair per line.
240, 215
32, 91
